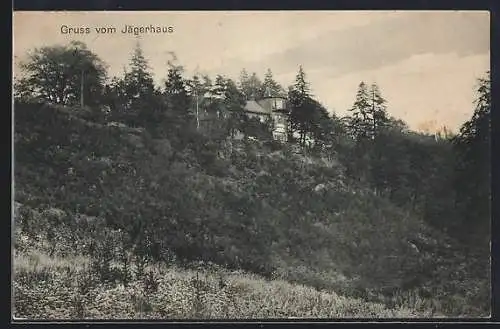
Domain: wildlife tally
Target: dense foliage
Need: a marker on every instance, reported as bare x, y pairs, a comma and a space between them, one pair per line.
60, 73
359, 205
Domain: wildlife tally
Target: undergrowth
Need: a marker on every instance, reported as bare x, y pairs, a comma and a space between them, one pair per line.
105, 215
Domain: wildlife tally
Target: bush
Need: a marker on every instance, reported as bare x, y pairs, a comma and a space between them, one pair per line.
263, 208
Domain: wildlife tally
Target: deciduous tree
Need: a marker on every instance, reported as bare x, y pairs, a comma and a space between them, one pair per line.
58, 73
472, 183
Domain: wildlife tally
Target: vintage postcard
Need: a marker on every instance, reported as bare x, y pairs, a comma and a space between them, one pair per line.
210, 165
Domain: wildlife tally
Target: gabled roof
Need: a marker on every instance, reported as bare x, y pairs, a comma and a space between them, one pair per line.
253, 106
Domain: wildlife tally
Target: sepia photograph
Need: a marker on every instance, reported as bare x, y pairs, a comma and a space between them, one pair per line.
250, 165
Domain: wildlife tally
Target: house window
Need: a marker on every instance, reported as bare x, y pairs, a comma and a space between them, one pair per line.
279, 104
279, 120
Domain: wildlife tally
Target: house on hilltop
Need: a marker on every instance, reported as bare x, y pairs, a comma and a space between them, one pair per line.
273, 108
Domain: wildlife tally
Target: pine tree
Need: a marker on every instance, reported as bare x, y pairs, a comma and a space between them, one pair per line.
116, 98
378, 111
219, 89
138, 81
214, 104
360, 117
139, 91
378, 150
270, 84
256, 86
302, 107
322, 127
177, 97
234, 102
250, 85
369, 114
207, 102
197, 89
207, 85
194, 85
369, 119
301, 85
243, 84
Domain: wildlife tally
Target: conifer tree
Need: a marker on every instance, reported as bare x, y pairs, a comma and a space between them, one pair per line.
360, 113
378, 111
301, 85
250, 85
271, 84
234, 102
139, 91
138, 80
243, 82
302, 107
177, 97
199, 90
219, 89
369, 115
115, 97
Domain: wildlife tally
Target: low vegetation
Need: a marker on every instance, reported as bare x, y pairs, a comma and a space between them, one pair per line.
137, 214
58, 288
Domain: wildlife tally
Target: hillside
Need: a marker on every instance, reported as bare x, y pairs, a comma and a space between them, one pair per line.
124, 199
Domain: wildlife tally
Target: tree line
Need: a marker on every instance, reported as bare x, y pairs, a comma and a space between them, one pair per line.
445, 179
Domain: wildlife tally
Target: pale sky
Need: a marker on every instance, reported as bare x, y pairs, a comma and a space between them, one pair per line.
426, 63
